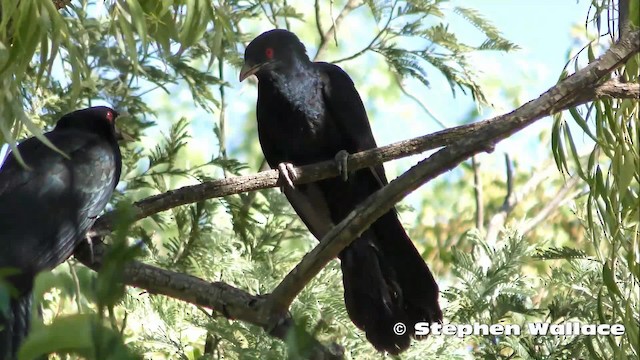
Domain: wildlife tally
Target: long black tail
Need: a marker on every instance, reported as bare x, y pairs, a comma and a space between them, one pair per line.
14, 325
386, 282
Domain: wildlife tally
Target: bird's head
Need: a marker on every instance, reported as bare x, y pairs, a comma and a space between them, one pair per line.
272, 51
97, 119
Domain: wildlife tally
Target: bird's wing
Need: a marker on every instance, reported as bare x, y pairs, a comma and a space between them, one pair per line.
346, 108
61, 195
95, 177
45, 170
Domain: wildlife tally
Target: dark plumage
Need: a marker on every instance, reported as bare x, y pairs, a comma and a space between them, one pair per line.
308, 112
46, 210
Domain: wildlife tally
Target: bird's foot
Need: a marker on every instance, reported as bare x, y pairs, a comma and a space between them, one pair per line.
279, 325
341, 163
287, 173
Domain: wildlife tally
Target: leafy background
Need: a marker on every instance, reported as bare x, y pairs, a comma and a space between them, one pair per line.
421, 65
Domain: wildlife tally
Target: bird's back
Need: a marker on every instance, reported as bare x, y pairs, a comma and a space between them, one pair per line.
46, 210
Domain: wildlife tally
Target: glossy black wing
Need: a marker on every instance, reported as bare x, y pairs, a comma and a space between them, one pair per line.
346, 108
47, 209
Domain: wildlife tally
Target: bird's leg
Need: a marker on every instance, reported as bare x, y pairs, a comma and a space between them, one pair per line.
90, 243
288, 173
341, 163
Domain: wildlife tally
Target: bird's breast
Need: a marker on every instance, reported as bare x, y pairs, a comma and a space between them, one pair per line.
295, 129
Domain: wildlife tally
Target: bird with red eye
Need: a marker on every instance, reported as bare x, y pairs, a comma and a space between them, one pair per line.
47, 208
309, 112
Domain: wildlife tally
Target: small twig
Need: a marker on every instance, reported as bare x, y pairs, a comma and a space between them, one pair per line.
286, 18
76, 285
477, 189
332, 32
612, 88
419, 102
375, 39
221, 120
509, 201
319, 21
616, 89
512, 198
564, 194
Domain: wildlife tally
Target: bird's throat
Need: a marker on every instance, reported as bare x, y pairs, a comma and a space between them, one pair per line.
301, 87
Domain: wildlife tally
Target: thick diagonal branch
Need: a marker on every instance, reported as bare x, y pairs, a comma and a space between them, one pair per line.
227, 300
268, 179
323, 170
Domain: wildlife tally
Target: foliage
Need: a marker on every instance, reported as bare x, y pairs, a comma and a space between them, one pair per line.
611, 210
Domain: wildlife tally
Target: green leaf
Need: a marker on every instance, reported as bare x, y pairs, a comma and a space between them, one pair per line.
137, 17
609, 279
628, 168
124, 27
574, 152
557, 146
68, 333
582, 123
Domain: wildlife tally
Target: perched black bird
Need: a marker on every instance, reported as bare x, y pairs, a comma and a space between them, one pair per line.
309, 112
46, 209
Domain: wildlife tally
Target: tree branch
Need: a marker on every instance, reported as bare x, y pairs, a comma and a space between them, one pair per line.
564, 194
61, 4
323, 170
326, 38
612, 88
316, 6
271, 312
270, 178
616, 89
510, 200
477, 189
229, 301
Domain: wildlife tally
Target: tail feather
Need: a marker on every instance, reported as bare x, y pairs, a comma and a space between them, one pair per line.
14, 325
386, 282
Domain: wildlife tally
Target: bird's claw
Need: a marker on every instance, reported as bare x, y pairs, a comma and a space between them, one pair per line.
288, 173
341, 163
278, 326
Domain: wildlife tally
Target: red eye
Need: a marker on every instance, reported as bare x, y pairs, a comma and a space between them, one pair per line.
269, 53
109, 116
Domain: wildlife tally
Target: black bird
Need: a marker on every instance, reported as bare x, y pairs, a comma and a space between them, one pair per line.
309, 112
47, 208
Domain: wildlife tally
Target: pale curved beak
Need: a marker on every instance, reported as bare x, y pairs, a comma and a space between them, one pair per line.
249, 69
121, 135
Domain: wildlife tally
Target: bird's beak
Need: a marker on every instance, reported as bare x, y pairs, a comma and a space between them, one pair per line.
249, 69
123, 136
